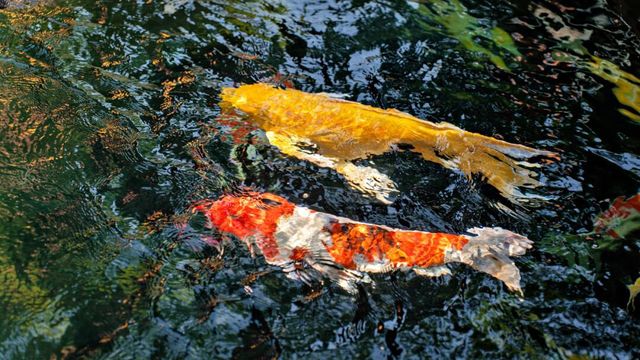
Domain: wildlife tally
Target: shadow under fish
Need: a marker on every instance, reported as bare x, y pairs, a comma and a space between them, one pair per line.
311, 245
333, 133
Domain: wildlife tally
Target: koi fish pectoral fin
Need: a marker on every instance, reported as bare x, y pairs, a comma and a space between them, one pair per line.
347, 279
295, 146
370, 181
366, 179
433, 271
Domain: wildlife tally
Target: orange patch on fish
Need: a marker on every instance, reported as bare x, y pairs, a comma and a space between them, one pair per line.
248, 216
374, 243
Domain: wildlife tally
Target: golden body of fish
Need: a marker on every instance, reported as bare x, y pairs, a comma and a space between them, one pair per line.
342, 131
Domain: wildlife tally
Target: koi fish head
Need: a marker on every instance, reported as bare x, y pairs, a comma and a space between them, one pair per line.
248, 98
246, 215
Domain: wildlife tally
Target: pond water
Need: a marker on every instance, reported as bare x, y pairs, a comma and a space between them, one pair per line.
110, 130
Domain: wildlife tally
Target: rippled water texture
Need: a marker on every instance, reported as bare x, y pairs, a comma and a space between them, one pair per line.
110, 130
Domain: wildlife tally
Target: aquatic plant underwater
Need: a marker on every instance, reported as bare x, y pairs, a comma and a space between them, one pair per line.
252, 179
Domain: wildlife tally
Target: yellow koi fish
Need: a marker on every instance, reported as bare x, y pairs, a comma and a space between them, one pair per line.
332, 133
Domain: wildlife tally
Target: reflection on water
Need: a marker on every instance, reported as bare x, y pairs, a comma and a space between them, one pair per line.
627, 86
471, 32
111, 129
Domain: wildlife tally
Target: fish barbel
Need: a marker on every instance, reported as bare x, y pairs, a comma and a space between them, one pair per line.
342, 131
310, 244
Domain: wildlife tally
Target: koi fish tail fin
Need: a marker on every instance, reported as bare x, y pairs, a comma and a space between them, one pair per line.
489, 251
510, 168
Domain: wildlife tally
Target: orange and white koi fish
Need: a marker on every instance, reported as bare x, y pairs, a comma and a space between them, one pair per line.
332, 133
621, 219
310, 244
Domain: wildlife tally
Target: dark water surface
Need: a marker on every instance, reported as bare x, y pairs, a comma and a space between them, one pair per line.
109, 132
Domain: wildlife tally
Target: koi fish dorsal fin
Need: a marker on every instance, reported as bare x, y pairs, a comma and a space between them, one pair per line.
335, 95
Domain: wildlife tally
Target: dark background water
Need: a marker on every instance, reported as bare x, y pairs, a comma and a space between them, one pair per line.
110, 130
